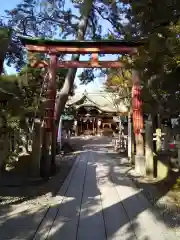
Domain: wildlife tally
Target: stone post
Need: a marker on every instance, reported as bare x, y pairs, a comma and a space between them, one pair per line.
129, 138
139, 157
158, 139
149, 149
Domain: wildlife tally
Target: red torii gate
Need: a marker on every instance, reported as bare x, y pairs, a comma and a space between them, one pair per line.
56, 47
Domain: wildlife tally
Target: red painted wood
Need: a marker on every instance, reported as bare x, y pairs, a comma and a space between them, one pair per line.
51, 94
67, 49
138, 122
81, 64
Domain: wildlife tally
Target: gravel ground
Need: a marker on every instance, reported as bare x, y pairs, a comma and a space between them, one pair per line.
163, 203
162, 198
34, 192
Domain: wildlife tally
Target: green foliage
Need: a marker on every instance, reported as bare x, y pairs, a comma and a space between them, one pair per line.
158, 59
119, 85
157, 23
5, 35
22, 94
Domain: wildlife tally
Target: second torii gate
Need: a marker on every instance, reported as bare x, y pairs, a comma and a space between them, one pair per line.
57, 47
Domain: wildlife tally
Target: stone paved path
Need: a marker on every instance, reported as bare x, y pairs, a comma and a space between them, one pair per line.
97, 202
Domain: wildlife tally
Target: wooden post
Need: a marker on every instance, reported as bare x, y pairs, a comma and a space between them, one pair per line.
149, 149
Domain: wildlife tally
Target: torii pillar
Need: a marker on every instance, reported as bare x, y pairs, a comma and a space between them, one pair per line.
138, 124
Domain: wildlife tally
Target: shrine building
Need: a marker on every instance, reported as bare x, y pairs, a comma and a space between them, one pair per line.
95, 112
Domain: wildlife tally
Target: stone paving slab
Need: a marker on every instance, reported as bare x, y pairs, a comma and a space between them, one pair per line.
96, 202
91, 222
102, 203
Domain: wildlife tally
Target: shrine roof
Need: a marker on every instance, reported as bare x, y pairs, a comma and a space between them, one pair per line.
101, 100
75, 43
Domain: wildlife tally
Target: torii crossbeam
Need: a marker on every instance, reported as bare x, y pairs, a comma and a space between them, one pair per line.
57, 47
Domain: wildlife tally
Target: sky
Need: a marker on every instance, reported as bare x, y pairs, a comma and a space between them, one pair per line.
93, 86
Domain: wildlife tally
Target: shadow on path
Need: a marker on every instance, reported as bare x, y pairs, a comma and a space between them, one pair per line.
81, 215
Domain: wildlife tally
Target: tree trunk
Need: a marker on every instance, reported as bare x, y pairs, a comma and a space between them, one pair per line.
69, 80
36, 149
45, 161
53, 149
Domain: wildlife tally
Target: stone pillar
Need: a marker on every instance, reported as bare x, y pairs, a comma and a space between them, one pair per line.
139, 157
129, 138
149, 149
158, 139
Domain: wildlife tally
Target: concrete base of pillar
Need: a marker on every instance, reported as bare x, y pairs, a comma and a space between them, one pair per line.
140, 165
